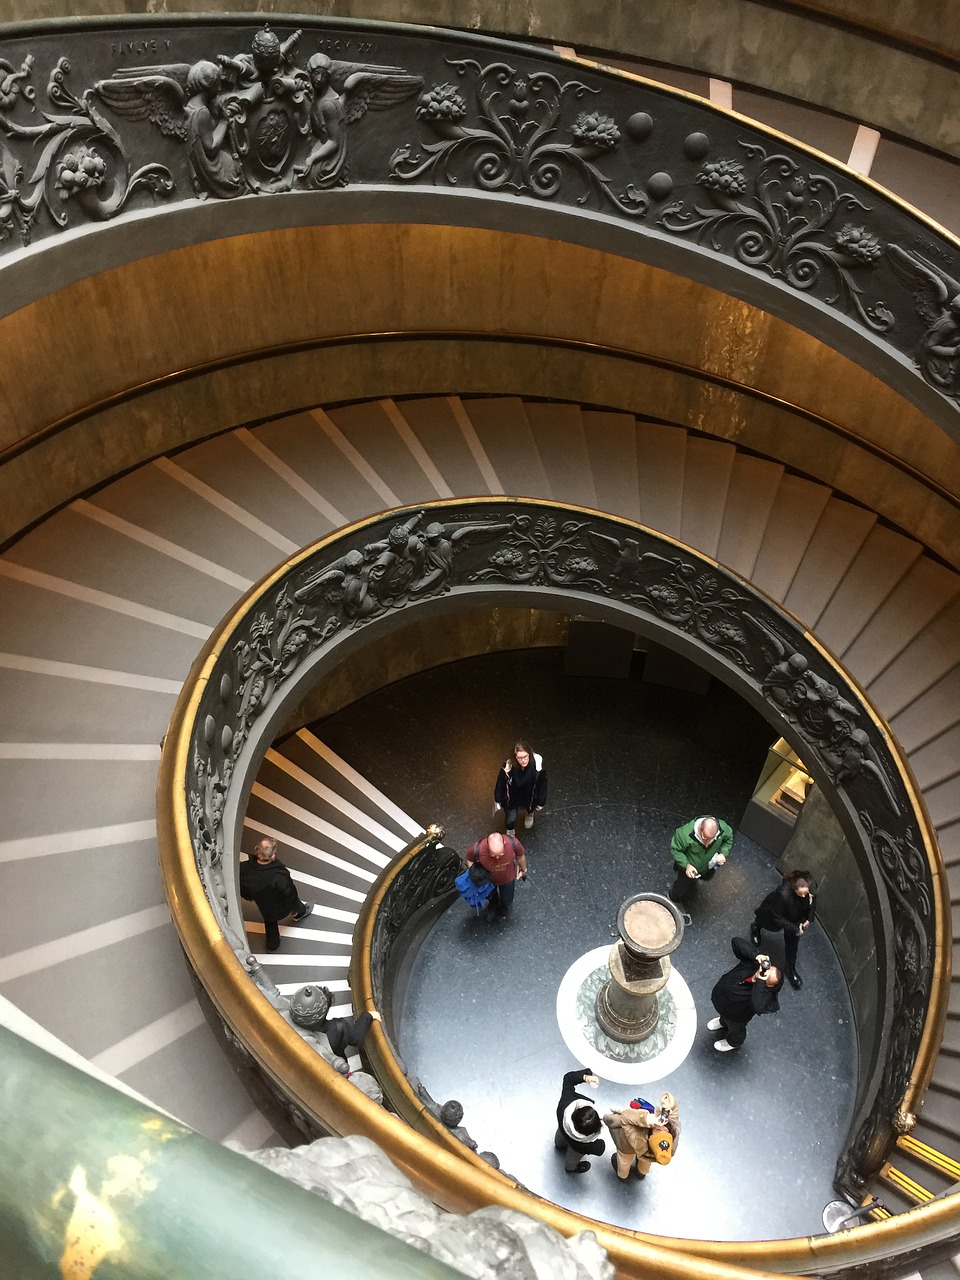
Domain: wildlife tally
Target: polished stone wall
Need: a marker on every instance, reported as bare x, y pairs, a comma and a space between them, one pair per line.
428, 643
818, 845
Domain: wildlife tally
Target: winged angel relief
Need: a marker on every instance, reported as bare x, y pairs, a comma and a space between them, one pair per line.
937, 298
258, 121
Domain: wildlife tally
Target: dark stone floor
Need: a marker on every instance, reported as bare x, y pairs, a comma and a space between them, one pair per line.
627, 763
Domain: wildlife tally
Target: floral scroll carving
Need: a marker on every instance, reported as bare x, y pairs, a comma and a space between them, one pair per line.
787, 221
507, 131
397, 562
81, 162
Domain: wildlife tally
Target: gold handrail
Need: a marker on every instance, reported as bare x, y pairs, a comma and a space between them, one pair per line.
455, 1178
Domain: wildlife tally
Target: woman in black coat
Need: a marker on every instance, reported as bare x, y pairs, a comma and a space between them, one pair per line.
790, 908
748, 990
578, 1123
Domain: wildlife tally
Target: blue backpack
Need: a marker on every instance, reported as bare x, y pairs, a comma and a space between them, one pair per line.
473, 894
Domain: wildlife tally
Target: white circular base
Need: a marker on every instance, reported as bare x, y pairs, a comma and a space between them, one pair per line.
641, 1071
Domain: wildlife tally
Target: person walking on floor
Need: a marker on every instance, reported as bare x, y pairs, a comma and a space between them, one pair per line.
505, 861
521, 787
578, 1124
791, 907
643, 1134
267, 882
697, 849
751, 988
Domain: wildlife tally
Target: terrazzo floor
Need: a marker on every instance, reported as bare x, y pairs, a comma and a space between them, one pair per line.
627, 762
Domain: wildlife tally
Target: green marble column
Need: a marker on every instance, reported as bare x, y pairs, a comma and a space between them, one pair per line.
95, 1186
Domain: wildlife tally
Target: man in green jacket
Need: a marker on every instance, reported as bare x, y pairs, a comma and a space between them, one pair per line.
698, 848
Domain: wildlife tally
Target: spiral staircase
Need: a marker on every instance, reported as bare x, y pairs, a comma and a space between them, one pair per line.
105, 603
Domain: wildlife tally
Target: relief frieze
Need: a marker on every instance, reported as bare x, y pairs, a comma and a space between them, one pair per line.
98, 122
398, 561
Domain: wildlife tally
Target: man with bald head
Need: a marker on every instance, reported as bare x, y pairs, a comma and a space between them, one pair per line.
698, 848
505, 862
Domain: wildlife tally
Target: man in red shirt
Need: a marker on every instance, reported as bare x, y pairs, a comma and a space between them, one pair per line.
505, 862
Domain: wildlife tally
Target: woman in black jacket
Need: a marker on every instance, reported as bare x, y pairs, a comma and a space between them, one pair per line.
578, 1123
790, 908
748, 990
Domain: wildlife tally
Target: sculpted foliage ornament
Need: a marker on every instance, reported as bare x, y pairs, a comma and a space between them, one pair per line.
537, 547
689, 599
81, 160
517, 142
784, 220
545, 552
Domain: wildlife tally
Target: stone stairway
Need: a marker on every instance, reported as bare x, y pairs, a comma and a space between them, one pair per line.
336, 834
104, 606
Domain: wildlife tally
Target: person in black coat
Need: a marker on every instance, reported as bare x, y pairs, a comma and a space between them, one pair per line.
578, 1123
267, 882
791, 908
749, 989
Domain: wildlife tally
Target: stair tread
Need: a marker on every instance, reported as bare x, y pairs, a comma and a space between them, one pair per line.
938, 759
751, 494
929, 715
154, 500
611, 441
503, 430
794, 515
329, 806
36, 707
300, 442
924, 592
370, 430
72, 547
836, 541
875, 572
561, 444
228, 466
924, 659
438, 429
706, 480
943, 800
661, 455
351, 785
43, 624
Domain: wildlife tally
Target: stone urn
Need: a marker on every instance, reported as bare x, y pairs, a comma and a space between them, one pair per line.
650, 929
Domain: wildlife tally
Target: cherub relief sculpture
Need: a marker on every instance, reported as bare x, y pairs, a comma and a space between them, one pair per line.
344, 92
441, 543
257, 121
937, 298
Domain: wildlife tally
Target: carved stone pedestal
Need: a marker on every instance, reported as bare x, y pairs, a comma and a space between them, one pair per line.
650, 929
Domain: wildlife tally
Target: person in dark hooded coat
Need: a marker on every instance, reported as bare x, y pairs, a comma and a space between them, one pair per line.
751, 988
578, 1123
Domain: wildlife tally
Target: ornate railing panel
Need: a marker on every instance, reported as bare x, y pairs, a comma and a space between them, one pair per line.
98, 120
451, 555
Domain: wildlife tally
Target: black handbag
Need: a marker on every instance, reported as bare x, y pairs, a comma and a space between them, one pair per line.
479, 873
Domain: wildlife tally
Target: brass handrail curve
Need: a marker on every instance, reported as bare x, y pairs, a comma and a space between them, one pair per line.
451, 1179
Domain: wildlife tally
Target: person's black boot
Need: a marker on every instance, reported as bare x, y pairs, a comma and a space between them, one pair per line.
794, 979
755, 934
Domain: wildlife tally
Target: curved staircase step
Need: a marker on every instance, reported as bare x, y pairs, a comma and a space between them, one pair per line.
446, 435
611, 444
751, 494
707, 469
840, 533
562, 446
503, 430
661, 458
794, 516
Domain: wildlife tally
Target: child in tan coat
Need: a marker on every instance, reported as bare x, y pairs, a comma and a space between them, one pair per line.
646, 1136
